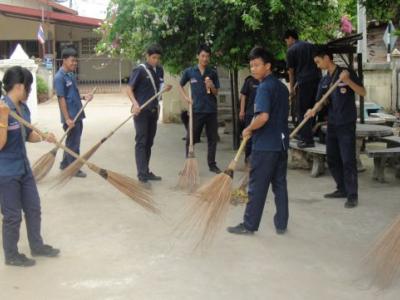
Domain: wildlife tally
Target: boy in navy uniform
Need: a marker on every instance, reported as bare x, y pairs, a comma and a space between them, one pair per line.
304, 74
247, 96
69, 100
18, 190
204, 85
342, 118
145, 81
268, 160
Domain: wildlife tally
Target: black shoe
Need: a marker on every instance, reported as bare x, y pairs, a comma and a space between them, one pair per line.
239, 229
280, 231
351, 203
80, 174
303, 144
335, 194
20, 260
152, 176
45, 250
215, 169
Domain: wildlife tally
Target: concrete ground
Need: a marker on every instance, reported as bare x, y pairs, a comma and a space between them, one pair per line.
112, 249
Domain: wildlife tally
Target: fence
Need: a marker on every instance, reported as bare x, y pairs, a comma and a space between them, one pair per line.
110, 75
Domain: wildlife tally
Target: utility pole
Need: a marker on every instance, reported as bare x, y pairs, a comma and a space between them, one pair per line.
362, 28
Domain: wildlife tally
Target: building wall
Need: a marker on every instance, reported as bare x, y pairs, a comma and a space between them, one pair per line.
377, 82
24, 3
20, 29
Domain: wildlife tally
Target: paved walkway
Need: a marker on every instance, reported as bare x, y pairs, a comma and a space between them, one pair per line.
112, 249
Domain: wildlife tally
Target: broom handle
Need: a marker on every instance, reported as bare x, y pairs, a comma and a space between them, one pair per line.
232, 164
77, 116
241, 148
132, 115
43, 135
191, 147
316, 106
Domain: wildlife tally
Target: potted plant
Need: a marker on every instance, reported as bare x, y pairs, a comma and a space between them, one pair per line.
42, 90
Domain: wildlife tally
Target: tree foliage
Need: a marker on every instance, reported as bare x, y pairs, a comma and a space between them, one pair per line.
230, 27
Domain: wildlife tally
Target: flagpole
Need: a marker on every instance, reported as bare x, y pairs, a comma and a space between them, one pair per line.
44, 44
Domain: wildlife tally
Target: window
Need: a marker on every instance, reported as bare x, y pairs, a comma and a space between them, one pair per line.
88, 45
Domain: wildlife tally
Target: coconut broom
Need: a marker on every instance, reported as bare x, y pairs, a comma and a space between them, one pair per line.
124, 184
44, 164
189, 176
316, 107
73, 168
212, 201
383, 260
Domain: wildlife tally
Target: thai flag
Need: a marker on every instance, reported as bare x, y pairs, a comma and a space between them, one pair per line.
40, 35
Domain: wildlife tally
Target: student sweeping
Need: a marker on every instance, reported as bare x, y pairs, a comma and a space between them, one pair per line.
145, 81
342, 118
204, 85
18, 191
270, 134
69, 100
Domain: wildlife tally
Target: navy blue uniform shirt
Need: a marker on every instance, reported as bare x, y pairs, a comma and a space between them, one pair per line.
342, 102
142, 86
272, 98
13, 157
249, 89
66, 86
300, 58
202, 101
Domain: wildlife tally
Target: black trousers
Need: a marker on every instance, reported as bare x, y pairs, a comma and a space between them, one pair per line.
73, 142
146, 128
341, 157
17, 194
247, 121
185, 119
210, 122
267, 167
305, 99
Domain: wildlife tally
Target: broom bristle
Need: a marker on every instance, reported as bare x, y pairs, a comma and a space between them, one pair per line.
209, 209
384, 258
68, 173
189, 176
129, 187
43, 165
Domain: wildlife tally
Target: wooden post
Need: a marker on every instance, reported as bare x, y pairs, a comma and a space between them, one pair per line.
361, 76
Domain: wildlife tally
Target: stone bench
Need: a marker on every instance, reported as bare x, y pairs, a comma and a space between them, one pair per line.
381, 156
391, 141
317, 155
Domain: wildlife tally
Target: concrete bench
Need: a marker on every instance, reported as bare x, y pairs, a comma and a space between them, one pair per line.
391, 141
317, 155
380, 157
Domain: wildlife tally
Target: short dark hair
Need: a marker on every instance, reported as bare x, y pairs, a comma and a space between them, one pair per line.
17, 75
69, 52
321, 51
205, 48
291, 33
154, 49
263, 54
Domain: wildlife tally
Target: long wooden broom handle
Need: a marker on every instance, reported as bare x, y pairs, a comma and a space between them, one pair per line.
191, 147
317, 106
232, 164
241, 148
132, 115
44, 136
77, 116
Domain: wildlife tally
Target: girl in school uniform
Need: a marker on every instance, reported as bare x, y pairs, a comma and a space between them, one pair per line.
18, 191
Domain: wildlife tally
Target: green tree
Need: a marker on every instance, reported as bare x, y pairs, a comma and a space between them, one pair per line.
230, 27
